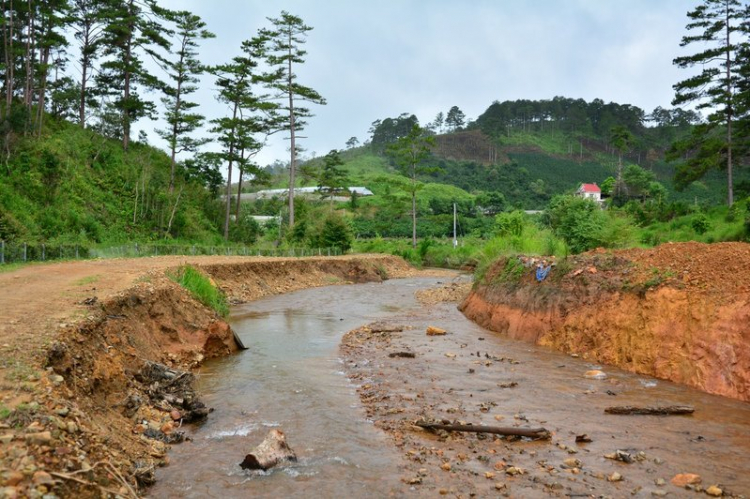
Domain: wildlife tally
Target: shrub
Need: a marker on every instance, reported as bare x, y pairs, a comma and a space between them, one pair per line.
510, 224
700, 223
335, 233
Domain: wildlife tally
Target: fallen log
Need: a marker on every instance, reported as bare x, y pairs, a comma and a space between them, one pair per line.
671, 410
269, 453
536, 433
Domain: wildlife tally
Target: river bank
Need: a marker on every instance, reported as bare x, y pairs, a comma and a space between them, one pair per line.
679, 312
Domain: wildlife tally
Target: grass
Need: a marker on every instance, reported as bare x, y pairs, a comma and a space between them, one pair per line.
86, 280
201, 288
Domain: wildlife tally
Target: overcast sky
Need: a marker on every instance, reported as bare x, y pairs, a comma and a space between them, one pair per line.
378, 59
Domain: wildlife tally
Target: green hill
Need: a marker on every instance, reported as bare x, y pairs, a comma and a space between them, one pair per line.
73, 185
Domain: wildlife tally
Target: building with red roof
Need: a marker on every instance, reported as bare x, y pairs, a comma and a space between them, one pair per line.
590, 191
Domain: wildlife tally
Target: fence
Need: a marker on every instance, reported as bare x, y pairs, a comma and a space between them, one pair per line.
23, 252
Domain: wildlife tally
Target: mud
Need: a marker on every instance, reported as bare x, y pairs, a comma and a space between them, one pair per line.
475, 376
85, 416
679, 312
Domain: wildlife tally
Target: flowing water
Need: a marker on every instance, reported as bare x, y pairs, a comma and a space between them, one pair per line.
291, 378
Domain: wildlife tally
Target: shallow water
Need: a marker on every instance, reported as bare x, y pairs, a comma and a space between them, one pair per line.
291, 378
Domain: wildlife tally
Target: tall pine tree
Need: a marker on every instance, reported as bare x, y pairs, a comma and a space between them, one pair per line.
719, 30
180, 114
285, 41
134, 30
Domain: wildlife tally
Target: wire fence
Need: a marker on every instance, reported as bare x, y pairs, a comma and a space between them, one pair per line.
24, 252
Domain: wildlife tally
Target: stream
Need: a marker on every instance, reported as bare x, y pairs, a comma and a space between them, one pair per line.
291, 378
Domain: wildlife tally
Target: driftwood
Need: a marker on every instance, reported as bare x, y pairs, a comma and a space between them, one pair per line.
405, 355
269, 453
671, 410
238, 341
537, 433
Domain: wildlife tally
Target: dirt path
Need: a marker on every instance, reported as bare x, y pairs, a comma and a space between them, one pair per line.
36, 300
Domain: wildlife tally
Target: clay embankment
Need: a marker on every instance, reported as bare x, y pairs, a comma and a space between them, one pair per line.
92, 413
679, 312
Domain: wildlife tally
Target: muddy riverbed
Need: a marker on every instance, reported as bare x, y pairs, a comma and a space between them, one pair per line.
349, 412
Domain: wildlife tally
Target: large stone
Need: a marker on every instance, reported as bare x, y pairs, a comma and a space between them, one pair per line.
684, 479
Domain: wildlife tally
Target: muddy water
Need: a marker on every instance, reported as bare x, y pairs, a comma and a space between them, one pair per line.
291, 378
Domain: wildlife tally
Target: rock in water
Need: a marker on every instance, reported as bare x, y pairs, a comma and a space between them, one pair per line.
269, 453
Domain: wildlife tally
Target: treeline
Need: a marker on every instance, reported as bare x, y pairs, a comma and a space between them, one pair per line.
578, 117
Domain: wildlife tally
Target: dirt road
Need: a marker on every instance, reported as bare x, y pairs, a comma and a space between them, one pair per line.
37, 299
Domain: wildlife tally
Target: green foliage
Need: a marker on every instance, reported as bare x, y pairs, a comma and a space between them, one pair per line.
333, 179
201, 288
716, 88
510, 224
578, 221
335, 233
700, 223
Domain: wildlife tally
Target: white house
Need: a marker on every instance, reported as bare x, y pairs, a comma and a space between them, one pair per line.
590, 191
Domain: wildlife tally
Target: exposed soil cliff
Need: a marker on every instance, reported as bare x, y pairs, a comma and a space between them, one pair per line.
117, 384
679, 311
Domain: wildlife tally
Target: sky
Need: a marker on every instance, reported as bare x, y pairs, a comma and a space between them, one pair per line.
378, 59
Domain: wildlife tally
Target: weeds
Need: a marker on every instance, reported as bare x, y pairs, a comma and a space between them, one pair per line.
201, 288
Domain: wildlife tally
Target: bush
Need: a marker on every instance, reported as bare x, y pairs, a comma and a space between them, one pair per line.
700, 223
335, 233
578, 221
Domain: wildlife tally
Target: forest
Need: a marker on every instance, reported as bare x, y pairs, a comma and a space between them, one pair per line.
78, 74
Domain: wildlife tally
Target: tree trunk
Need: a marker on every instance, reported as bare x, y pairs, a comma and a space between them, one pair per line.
126, 77
239, 186
229, 175
174, 210
178, 102
293, 164
42, 90
730, 111
414, 219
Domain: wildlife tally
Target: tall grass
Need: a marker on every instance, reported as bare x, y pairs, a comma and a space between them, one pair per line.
201, 288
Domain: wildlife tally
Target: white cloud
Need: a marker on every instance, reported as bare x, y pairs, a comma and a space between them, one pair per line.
379, 59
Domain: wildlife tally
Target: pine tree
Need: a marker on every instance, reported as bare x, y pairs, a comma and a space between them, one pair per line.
88, 21
250, 114
285, 51
134, 29
409, 153
721, 35
332, 179
183, 72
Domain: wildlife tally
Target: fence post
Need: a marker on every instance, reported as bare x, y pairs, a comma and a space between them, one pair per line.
24, 252
2, 252
44, 252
